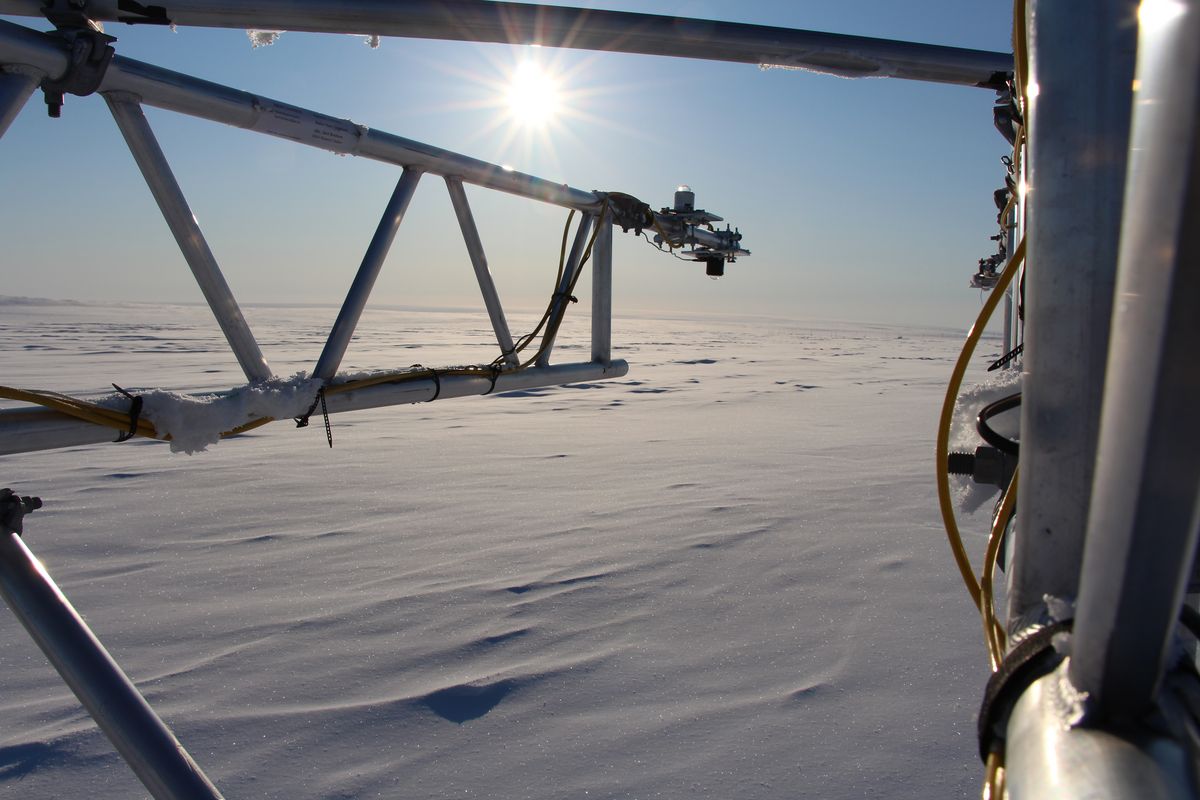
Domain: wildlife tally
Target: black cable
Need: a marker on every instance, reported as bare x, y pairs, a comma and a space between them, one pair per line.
1001, 443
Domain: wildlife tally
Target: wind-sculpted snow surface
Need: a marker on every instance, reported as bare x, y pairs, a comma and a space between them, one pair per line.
722, 576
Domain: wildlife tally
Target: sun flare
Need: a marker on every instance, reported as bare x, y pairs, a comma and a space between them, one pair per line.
532, 95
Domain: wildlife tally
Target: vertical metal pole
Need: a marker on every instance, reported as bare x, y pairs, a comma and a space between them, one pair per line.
1081, 75
368, 271
141, 738
602, 294
1145, 512
127, 111
483, 275
568, 277
17, 83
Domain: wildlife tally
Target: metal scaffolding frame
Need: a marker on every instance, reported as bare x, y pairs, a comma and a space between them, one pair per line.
129, 84
1110, 474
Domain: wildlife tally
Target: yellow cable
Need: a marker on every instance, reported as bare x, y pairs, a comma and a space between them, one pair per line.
1020, 56
943, 435
79, 409
993, 782
992, 630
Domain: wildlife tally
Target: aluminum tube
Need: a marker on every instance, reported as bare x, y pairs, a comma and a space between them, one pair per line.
491, 298
570, 270
1048, 755
30, 430
602, 294
466, 386
184, 94
701, 236
364, 280
183, 225
27, 430
17, 84
1079, 136
139, 735
584, 29
1145, 511
392, 149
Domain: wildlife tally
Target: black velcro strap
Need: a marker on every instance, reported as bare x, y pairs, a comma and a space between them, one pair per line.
135, 412
1032, 658
495, 373
437, 380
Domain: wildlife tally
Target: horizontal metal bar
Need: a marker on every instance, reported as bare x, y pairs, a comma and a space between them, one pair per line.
29, 429
184, 94
1048, 754
583, 29
696, 235
139, 735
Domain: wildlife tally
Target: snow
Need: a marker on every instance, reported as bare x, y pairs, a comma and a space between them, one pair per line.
195, 422
263, 38
720, 576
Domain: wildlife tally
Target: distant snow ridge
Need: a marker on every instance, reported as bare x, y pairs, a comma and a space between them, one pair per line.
17, 300
194, 422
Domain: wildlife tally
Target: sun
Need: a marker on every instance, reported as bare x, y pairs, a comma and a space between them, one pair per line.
532, 95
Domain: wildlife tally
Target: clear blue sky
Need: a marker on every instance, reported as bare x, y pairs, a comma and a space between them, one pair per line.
860, 199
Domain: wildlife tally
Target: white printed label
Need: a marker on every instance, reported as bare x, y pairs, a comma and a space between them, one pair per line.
306, 127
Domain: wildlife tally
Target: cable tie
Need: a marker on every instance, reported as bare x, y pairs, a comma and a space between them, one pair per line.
495, 374
325, 414
135, 411
1007, 357
302, 420
567, 295
437, 380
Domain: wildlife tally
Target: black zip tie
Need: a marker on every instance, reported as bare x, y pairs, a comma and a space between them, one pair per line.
135, 411
302, 420
569, 297
495, 374
325, 414
437, 380
1007, 357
